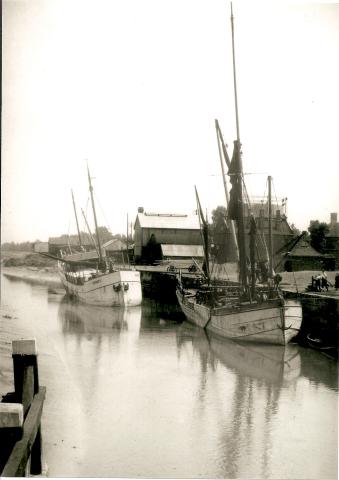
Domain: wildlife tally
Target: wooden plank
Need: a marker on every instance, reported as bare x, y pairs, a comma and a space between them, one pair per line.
27, 387
11, 428
26, 381
21, 452
36, 454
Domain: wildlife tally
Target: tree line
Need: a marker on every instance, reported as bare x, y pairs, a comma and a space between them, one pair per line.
104, 234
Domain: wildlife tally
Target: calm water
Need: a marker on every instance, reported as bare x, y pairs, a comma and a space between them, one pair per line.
138, 393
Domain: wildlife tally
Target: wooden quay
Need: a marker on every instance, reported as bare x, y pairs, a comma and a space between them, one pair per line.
20, 415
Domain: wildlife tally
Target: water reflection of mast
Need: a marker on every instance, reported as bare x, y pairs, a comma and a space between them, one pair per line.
258, 369
79, 318
200, 343
259, 373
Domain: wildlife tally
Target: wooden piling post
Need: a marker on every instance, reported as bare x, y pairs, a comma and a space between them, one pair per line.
26, 383
11, 422
21, 455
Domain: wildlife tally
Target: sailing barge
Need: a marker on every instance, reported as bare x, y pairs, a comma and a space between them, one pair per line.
91, 278
248, 310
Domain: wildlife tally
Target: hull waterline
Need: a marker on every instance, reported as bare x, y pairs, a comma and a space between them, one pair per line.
272, 322
118, 288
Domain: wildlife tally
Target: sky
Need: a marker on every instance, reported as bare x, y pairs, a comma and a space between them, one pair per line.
133, 87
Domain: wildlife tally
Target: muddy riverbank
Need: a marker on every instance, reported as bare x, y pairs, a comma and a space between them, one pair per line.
43, 276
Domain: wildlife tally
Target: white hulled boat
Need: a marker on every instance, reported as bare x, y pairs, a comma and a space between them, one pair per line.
247, 310
91, 278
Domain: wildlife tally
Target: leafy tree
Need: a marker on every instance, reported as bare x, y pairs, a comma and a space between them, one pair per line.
218, 217
318, 231
104, 234
295, 230
18, 247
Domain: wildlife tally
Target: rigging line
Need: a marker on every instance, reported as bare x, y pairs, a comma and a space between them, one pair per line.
88, 234
103, 213
83, 220
86, 209
226, 271
247, 197
68, 237
257, 251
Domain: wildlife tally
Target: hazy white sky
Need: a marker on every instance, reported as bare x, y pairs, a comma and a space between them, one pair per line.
134, 86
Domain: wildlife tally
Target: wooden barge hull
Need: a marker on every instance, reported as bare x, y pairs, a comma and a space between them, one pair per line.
119, 288
273, 322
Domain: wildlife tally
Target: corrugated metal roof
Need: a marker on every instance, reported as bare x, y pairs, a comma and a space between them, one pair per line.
182, 250
173, 221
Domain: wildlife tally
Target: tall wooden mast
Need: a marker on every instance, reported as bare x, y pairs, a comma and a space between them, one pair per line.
235, 78
95, 216
270, 236
76, 219
127, 241
239, 176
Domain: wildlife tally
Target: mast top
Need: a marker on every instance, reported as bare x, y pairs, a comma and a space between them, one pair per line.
89, 179
235, 78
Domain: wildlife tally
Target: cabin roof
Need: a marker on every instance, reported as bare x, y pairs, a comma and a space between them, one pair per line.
170, 221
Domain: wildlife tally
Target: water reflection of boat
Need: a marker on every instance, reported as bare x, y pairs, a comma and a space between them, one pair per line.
241, 385
270, 363
80, 318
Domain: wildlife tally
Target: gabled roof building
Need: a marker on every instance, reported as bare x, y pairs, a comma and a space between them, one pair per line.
298, 254
164, 236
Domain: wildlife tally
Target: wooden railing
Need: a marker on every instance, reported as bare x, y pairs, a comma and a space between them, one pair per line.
20, 415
